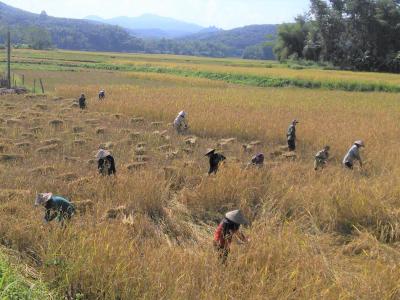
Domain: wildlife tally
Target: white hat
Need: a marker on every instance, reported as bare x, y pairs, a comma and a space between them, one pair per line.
209, 151
359, 143
102, 154
236, 216
43, 198
182, 114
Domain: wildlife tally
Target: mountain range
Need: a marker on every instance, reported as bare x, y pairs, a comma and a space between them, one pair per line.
147, 33
152, 26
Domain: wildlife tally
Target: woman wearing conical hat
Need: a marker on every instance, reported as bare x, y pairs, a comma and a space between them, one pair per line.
227, 229
55, 206
215, 159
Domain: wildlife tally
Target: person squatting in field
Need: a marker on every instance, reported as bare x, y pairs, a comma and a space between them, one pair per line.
215, 159
258, 160
105, 163
82, 101
291, 135
102, 95
180, 123
321, 158
353, 155
56, 207
226, 230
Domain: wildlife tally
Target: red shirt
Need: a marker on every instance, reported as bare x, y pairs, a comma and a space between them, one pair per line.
224, 233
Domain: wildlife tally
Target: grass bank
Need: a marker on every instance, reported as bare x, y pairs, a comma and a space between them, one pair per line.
235, 78
13, 285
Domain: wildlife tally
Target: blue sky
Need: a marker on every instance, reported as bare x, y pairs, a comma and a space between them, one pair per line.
221, 13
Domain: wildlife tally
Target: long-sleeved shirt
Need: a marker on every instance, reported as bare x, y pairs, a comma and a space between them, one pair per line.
101, 164
291, 133
82, 102
180, 121
352, 155
224, 233
58, 205
215, 159
322, 155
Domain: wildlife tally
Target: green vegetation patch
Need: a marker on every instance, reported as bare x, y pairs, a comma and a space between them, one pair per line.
15, 286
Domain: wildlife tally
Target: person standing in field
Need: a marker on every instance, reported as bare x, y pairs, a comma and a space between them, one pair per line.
226, 230
82, 102
291, 135
56, 207
321, 158
215, 159
180, 123
102, 95
353, 155
105, 163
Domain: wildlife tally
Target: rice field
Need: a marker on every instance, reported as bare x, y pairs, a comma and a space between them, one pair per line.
147, 233
247, 72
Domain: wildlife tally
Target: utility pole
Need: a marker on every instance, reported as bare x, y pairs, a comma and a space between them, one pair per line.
8, 60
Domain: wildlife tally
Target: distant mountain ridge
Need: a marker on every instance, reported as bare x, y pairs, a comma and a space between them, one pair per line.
41, 31
152, 26
65, 33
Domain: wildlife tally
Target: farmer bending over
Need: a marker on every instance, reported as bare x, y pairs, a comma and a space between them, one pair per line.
227, 229
105, 163
56, 207
258, 160
180, 123
353, 155
321, 158
215, 160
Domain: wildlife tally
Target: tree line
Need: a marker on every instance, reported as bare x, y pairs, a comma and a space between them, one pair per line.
117, 39
351, 34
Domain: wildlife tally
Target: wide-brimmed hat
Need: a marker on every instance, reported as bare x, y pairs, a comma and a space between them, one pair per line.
209, 151
102, 154
359, 143
182, 114
43, 198
237, 217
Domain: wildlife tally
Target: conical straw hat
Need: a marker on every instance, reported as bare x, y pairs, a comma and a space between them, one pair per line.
42, 198
102, 154
236, 216
209, 151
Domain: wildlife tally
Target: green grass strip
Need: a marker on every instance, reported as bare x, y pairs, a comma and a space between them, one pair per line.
244, 79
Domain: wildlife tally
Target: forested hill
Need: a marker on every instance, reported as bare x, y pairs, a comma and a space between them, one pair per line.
240, 40
74, 34
41, 31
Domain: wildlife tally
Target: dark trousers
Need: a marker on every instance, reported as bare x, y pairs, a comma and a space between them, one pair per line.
349, 165
291, 145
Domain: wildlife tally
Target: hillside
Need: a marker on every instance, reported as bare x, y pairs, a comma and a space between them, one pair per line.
66, 33
239, 39
152, 26
43, 32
